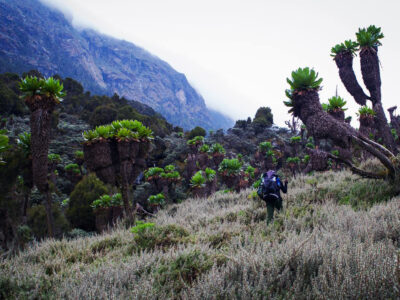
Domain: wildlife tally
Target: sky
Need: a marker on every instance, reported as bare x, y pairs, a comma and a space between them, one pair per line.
237, 54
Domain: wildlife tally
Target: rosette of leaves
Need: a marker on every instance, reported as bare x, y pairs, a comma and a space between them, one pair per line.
73, 168
250, 172
265, 146
204, 148
153, 172
197, 180
295, 139
293, 160
302, 79
217, 149
230, 167
158, 199
348, 46
116, 200
197, 140
103, 202
369, 37
336, 103
210, 174
54, 158
306, 159
366, 112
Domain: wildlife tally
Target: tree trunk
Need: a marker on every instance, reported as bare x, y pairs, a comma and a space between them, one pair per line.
383, 128
344, 61
50, 221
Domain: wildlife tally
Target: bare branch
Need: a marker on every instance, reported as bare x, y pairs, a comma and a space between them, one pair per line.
386, 151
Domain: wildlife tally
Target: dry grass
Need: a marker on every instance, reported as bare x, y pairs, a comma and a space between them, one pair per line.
221, 248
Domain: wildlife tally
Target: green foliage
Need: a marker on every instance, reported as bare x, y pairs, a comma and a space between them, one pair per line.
335, 152
250, 171
230, 166
108, 201
264, 146
158, 199
217, 148
54, 158
304, 79
79, 212
365, 111
120, 130
168, 172
79, 154
72, 168
293, 160
394, 133
196, 140
3, 144
348, 45
154, 171
204, 148
257, 183
197, 180
369, 37
197, 131
335, 103
306, 159
141, 226
50, 87
295, 139
310, 146
38, 224
210, 174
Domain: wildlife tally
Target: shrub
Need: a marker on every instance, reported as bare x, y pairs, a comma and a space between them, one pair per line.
295, 139
54, 158
230, 166
79, 212
263, 118
38, 224
197, 180
107, 201
204, 148
197, 131
217, 148
79, 154
154, 171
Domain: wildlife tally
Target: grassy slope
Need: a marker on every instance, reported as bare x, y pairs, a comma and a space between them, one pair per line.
221, 248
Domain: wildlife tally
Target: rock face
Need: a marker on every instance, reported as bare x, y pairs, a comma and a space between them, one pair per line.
33, 36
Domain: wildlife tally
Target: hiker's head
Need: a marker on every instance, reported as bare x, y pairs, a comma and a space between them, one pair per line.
270, 174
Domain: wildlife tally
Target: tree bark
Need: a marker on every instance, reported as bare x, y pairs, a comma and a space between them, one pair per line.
49, 213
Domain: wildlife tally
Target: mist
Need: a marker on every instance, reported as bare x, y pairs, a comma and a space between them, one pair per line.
238, 54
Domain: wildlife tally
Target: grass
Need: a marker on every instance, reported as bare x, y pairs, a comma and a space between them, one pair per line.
318, 247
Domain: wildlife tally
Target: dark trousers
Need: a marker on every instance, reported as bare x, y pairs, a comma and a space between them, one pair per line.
271, 205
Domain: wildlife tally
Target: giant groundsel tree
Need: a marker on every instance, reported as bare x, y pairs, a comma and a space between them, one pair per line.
304, 103
368, 41
41, 96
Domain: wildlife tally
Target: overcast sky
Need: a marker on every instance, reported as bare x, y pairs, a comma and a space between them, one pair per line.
237, 54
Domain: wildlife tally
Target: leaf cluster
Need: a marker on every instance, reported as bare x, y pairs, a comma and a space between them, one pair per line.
335, 103
54, 158
3, 144
366, 111
293, 160
72, 168
120, 130
230, 166
264, 146
108, 201
346, 46
210, 174
198, 180
168, 172
369, 37
50, 87
197, 140
217, 148
158, 199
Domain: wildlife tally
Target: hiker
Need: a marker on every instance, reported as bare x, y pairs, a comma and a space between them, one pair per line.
269, 191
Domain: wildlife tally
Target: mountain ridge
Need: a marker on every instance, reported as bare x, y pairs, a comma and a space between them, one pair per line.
102, 63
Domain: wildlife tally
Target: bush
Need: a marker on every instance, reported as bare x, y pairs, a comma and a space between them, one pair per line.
79, 212
217, 148
197, 131
196, 140
37, 221
263, 118
158, 199
230, 166
197, 180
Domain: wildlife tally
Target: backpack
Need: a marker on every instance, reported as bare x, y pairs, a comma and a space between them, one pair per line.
269, 189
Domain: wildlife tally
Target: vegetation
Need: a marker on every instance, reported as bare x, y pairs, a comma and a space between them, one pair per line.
158, 199
197, 131
197, 140
198, 180
210, 174
339, 228
230, 167
365, 111
217, 149
336, 103
264, 147
369, 37
348, 46
108, 201
3, 144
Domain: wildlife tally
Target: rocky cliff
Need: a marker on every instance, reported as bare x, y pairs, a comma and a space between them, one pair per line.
35, 36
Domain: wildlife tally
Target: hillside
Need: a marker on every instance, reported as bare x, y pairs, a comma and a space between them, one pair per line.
333, 240
103, 65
